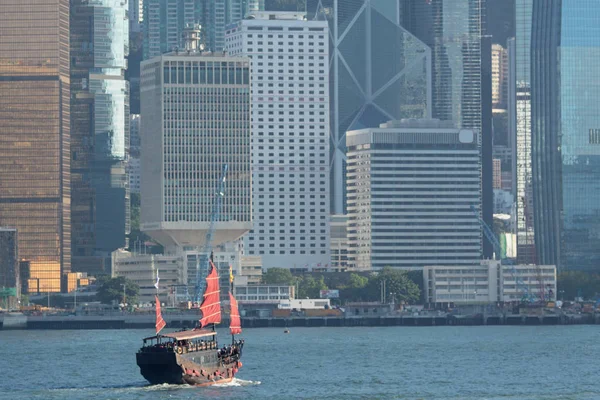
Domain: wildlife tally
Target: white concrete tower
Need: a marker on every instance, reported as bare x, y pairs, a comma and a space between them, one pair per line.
195, 118
290, 136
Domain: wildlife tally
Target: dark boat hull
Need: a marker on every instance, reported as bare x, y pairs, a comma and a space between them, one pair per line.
201, 368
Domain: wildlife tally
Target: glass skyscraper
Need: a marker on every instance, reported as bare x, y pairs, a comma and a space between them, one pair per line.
524, 196
99, 132
379, 71
565, 92
35, 195
164, 21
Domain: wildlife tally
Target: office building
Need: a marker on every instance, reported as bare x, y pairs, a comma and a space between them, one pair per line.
251, 268
499, 76
339, 242
489, 282
521, 108
414, 193
34, 133
565, 132
379, 71
99, 132
461, 73
165, 20
133, 161
143, 269
196, 119
10, 282
290, 128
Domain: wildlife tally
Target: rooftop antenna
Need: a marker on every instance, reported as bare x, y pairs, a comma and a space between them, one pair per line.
191, 38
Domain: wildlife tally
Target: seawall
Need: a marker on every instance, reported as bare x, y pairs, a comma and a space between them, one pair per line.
131, 321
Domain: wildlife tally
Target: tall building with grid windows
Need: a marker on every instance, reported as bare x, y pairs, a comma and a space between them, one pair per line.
99, 132
411, 186
34, 136
290, 137
164, 21
195, 118
565, 132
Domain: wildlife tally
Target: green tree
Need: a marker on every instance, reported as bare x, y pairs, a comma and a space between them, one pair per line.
573, 284
278, 276
310, 287
112, 290
398, 286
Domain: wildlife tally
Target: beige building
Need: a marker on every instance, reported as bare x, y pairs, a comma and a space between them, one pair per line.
499, 76
252, 269
263, 294
489, 282
339, 242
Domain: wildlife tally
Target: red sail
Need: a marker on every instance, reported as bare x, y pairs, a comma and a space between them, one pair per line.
160, 322
211, 305
235, 325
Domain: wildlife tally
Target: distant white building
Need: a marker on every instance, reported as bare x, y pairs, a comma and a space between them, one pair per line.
339, 242
290, 143
489, 282
411, 185
263, 294
142, 269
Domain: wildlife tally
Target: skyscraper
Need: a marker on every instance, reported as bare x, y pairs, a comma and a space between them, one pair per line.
290, 136
565, 91
34, 134
195, 118
99, 132
379, 71
411, 186
461, 70
164, 21
521, 108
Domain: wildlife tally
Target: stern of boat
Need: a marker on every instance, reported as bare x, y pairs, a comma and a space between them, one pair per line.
159, 368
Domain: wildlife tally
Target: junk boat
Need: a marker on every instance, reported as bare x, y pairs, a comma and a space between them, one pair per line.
193, 357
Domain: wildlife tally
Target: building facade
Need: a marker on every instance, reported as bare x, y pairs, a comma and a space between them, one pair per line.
489, 282
196, 119
499, 76
10, 280
565, 151
34, 130
99, 132
290, 133
339, 242
413, 194
164, 21
379, 71
133, 161
521, 108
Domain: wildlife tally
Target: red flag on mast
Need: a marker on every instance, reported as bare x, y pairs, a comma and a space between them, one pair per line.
211, 305
235, 325
160, 322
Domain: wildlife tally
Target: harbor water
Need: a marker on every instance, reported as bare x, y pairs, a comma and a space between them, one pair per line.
484, 362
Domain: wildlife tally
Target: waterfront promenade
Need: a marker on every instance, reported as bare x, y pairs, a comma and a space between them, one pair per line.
183, 320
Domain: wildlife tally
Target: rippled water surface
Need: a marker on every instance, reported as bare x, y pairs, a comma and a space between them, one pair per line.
321, 363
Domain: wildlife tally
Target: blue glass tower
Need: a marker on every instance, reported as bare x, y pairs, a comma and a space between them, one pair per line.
379, 71
99, 132
565, 91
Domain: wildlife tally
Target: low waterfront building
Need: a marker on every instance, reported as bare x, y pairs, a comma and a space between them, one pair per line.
339, 242
304, 304
489, 282
263, 294
142, 269
252, 268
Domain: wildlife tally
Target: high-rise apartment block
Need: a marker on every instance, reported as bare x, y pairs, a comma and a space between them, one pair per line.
379, 71
290, 136
499, 76
413, 192
99, 132
565, 132
34, 133
133, 162
165, 20
195, 119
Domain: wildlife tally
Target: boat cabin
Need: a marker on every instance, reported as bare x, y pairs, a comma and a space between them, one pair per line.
181, 342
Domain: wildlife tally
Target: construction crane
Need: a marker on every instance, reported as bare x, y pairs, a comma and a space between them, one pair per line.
501, 255
202, 266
